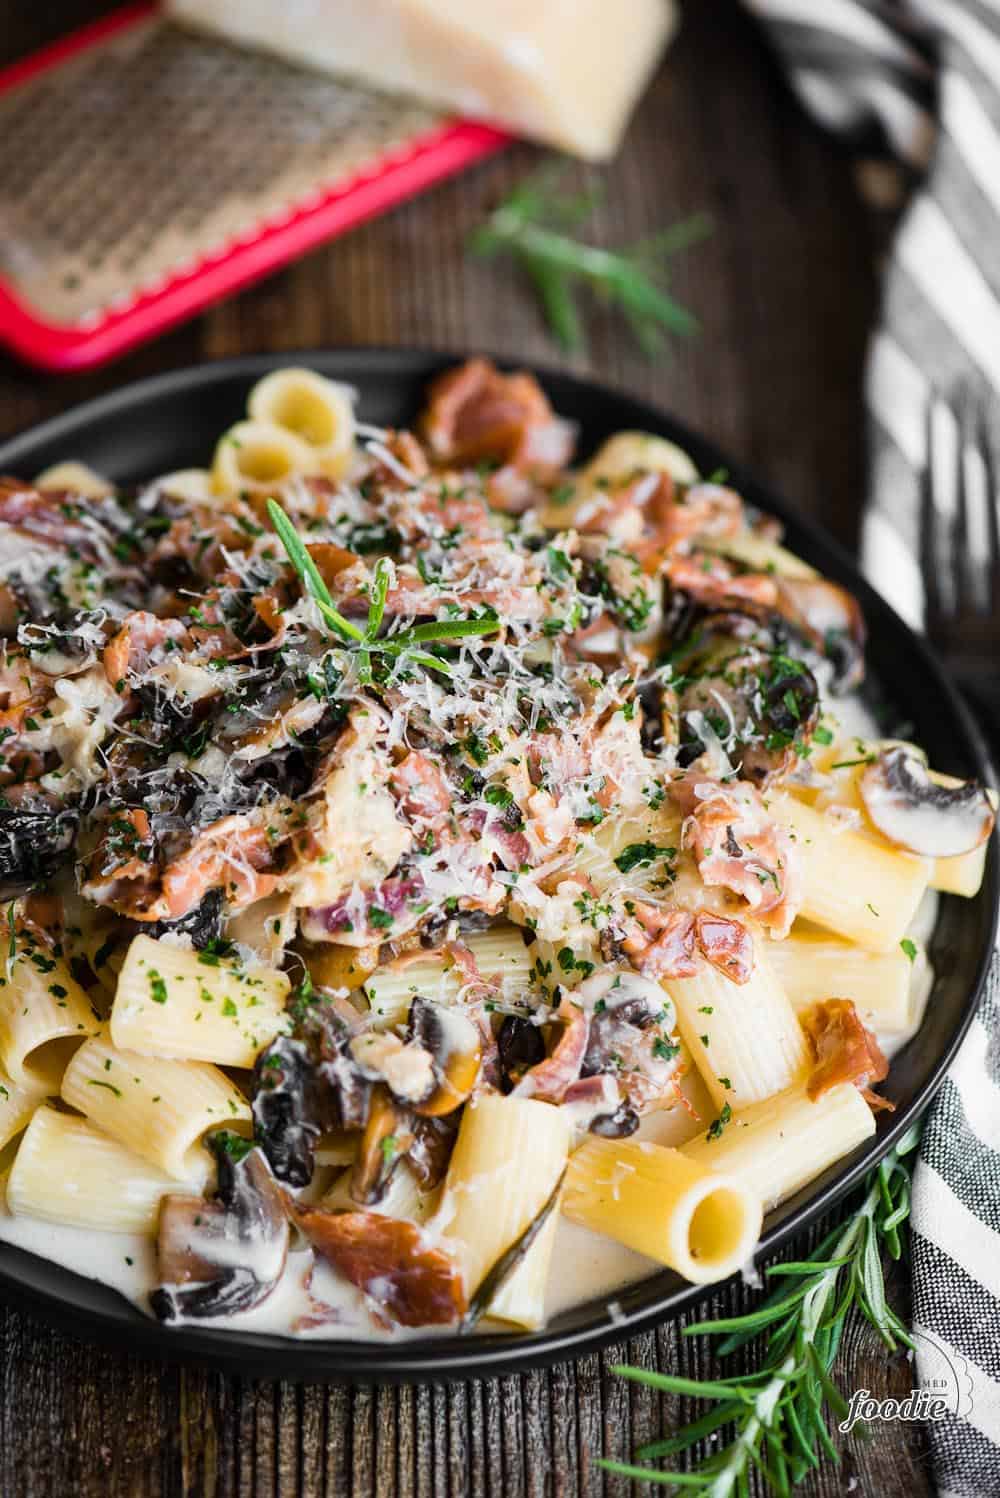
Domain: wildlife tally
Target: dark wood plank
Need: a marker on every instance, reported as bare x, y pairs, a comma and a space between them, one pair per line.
785, 294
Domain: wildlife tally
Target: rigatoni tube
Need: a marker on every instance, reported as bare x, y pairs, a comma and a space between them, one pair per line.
858, 888
68, 1171
44, 1015
814, 966
507, 1160
662, 1204
500, 955
160, 1109
744, 1038
174, 1001
17, 1104
778, 1145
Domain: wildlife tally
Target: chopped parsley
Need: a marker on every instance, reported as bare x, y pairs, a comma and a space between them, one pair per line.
638, 855
157, 987
93, 1082
718, 1124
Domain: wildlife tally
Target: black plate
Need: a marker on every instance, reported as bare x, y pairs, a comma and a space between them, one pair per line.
173, 422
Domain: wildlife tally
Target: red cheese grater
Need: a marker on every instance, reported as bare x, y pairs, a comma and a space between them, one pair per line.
145, 172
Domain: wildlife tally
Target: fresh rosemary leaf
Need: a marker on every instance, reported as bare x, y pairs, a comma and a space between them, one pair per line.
650, 1474
671, 1383
367, 640
556, 296
775, 1417
304, 565
450, 629
690, 1434
805, 1266
380, 589
535, 225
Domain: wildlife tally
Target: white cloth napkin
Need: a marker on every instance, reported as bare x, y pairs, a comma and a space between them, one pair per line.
915, 85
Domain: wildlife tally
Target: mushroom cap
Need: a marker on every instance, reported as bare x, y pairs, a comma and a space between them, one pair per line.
218, 1257
921, 814
455, 1047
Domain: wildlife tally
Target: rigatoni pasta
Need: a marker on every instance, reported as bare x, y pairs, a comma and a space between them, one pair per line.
664, 1205
509, 1157
776, 1146
158, 1108
178, 1002
44, 1016
501, 957
18, 1104
427, 853
743, 1037
68, 1172
811, 966
876, 893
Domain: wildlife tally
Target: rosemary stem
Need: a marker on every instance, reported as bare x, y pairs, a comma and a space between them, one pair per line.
765, 1405
555, 249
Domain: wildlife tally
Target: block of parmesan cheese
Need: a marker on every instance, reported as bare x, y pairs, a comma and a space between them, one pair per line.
563, 71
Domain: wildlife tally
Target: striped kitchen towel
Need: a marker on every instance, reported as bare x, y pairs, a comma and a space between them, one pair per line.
915, 86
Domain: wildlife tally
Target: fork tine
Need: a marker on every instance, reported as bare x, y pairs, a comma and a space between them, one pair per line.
992, 499
964, 570
929, 549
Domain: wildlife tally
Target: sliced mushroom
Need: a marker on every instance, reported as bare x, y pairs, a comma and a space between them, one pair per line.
917, 813
430, 1152
217, 1257
36, 838
454, 1043
406, 1067
596, 1103
520, 1045
832, 619
743, 678
203, 924
390, 1260
305, 1086
387, 1138
618, 1125
631, 1037
633, 1004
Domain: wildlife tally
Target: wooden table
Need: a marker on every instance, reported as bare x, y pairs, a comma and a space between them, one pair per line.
785, 294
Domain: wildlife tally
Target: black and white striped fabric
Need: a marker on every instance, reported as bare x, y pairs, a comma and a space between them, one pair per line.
917, 83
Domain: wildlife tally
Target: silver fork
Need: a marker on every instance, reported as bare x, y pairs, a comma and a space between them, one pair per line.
960, 552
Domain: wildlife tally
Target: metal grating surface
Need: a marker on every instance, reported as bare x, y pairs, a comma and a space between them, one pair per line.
155, 148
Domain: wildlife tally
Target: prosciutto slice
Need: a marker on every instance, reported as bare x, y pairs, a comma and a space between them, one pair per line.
844, 1050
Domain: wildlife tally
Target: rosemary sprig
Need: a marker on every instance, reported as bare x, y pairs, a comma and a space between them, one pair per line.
367, 641
535, 227
776, 1416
